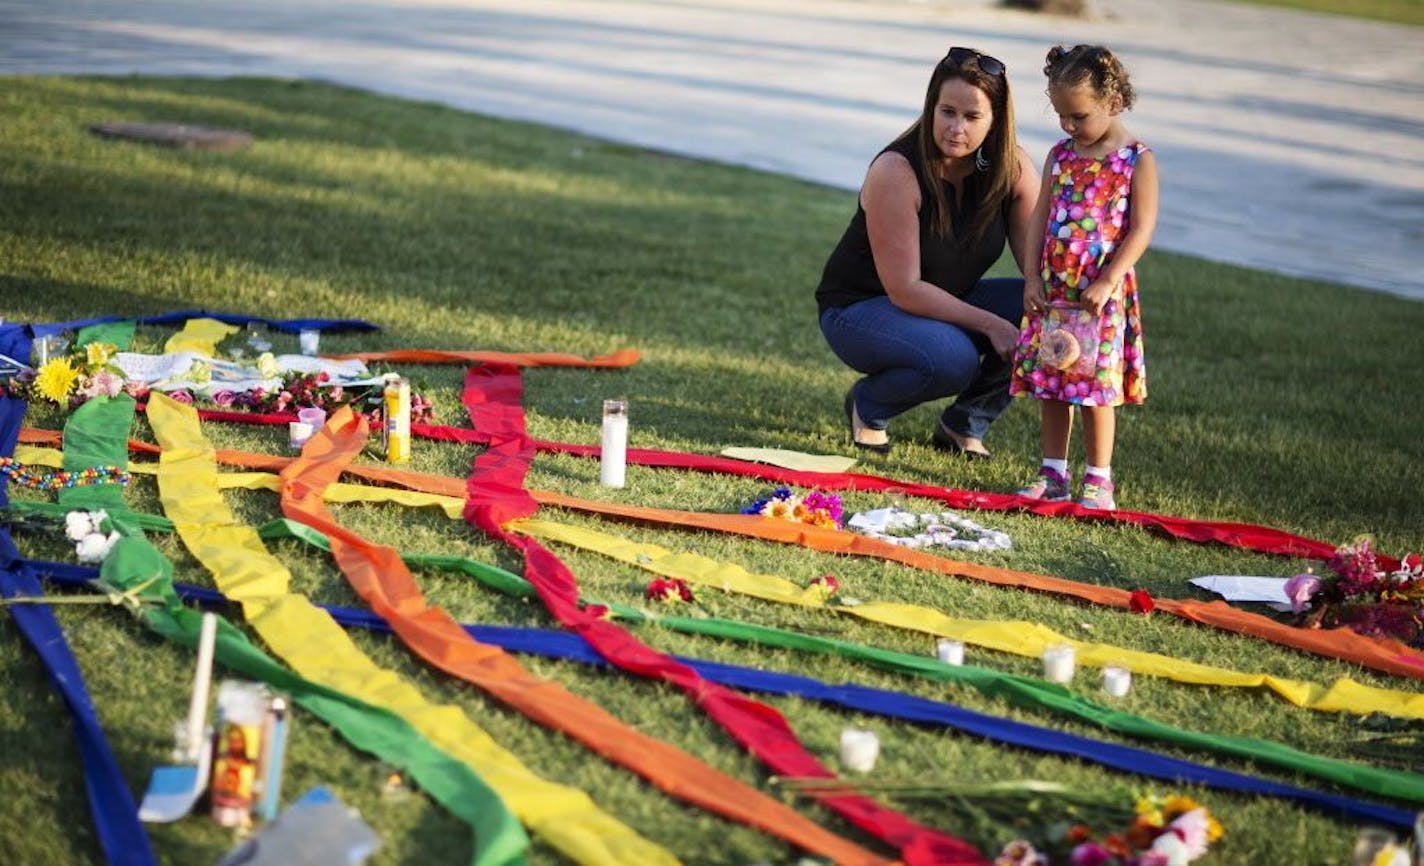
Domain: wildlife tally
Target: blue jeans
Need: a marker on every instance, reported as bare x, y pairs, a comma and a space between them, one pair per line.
908, 360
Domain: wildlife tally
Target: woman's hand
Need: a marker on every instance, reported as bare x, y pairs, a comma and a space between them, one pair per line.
1003, 336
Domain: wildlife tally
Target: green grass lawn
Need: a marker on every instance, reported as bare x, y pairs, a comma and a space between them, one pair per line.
1273, 400
1391, 11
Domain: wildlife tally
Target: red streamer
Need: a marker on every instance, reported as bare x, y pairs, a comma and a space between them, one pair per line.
496, 495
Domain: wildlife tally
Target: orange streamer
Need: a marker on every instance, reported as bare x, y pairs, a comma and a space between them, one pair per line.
611, 361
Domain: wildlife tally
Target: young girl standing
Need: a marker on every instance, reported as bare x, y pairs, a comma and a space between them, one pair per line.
1081, 340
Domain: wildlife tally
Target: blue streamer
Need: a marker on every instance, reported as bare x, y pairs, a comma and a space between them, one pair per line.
881, 702
290, 326
115, 813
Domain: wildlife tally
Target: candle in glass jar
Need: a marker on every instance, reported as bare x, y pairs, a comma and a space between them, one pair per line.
1116, 680
859, 749
1058, 663
951, 652
613, 456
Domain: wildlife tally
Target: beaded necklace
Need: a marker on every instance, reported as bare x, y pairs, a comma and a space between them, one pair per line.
58, 479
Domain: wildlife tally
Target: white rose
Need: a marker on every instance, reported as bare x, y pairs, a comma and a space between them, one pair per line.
267, 366
95, 546
78, 524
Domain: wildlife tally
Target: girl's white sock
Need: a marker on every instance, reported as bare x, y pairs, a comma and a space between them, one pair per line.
1103, 472
1059, 466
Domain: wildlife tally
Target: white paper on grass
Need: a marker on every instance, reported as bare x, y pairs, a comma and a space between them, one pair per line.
166, 372
1245, 587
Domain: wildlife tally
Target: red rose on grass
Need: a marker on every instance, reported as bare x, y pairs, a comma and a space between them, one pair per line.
1141, 601
669, 589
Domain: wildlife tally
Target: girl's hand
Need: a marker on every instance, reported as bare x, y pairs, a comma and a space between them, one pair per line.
1034, 301
1097, 295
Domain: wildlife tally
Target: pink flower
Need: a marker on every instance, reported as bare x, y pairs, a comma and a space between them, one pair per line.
182, 396
1089, 854
1173, 846
1020, 853
1300, 589
108, 383
1192, 828
224, 398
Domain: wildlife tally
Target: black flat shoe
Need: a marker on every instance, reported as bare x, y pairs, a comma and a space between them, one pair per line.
945, 441
850, 425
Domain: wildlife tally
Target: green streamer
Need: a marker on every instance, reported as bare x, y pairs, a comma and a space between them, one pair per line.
96, 436
121, 334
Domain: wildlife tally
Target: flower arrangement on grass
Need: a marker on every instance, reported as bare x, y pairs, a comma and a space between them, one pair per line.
308, 390
1055, 825
1362, 596
815, 508
1165, 831
68, 380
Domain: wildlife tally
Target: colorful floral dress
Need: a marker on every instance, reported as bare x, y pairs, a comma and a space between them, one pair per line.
1088, 216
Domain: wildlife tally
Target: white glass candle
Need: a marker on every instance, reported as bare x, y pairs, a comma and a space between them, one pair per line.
309, 339
1117, 681
951, 652
859, 749
1058, 663
613, 461
298, 432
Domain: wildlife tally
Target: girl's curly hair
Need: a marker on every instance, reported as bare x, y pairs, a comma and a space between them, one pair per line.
1092, 65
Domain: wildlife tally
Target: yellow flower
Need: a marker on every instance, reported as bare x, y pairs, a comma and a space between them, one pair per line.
98, 354
56, 379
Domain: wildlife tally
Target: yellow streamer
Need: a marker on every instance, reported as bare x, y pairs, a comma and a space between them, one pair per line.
316, 647
1017, 637
340, 492
199, 335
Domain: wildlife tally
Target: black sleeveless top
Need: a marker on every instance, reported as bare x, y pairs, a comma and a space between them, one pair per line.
850, 276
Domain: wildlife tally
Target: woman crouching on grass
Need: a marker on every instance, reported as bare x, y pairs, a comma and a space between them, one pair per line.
903, 297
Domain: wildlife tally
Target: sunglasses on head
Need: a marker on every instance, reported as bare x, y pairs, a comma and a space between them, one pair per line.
987, 65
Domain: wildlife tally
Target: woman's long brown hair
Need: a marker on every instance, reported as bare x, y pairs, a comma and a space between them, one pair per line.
1000, 147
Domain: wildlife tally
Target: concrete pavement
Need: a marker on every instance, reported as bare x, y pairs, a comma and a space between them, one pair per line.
1287, 141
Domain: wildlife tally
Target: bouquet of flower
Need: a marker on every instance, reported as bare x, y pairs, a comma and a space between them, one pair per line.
1166, 831
815, 508
309, 390
1057, 825
1362, 596
67, 380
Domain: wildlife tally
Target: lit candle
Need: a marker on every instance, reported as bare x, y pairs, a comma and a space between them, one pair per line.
613, 459
1058, 663
951, 652
309, 339
859, 749
1116, 681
